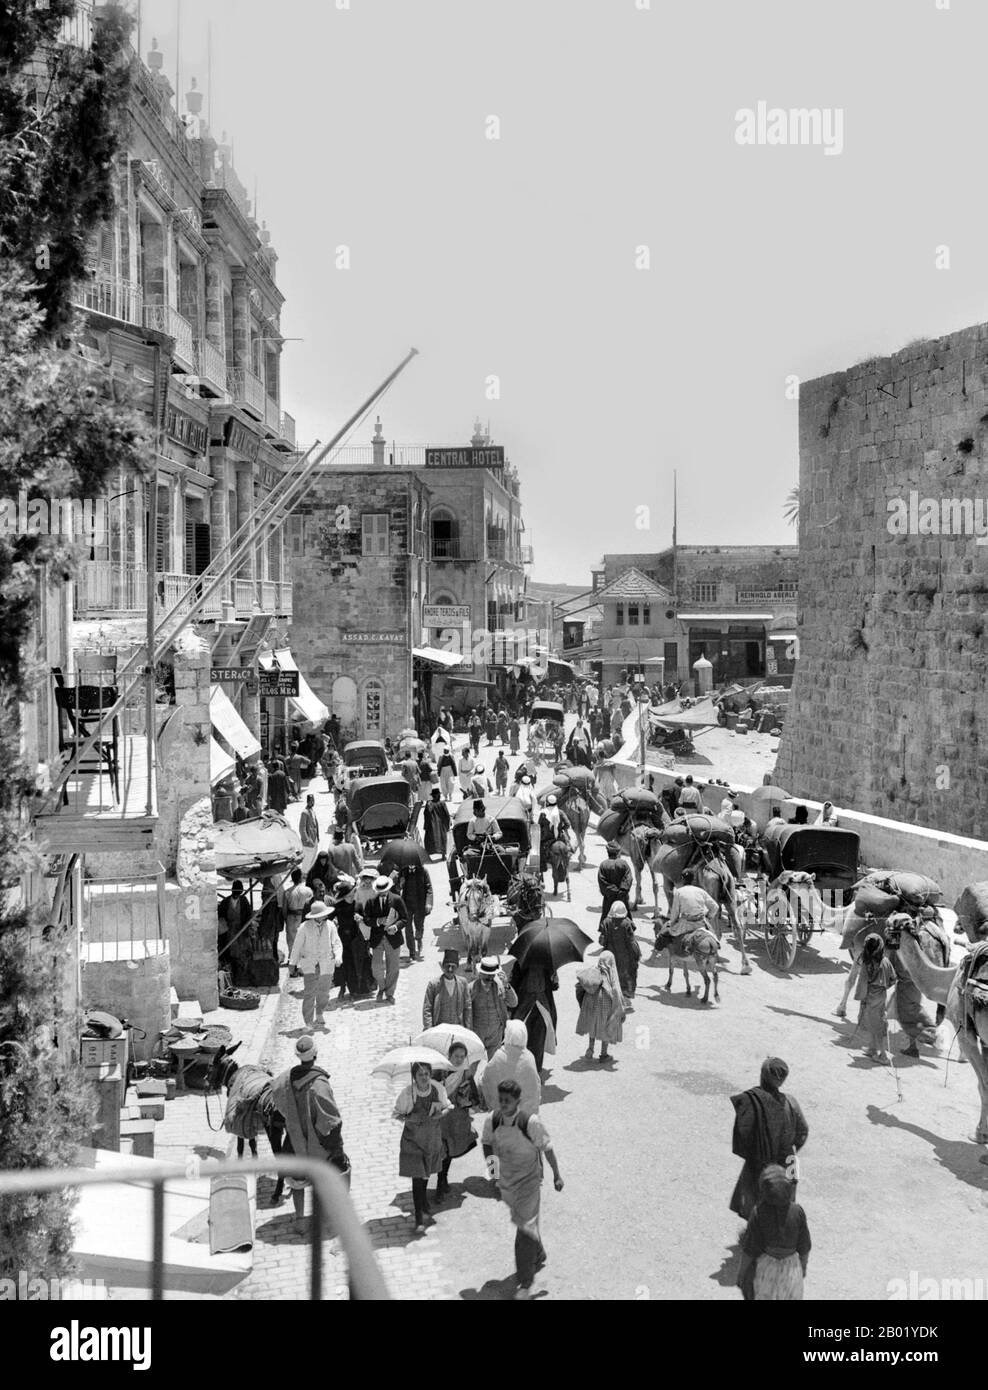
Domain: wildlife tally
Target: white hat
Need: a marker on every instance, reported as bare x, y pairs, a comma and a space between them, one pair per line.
490, 965
550, 801
318, 912
382, 883
367, 873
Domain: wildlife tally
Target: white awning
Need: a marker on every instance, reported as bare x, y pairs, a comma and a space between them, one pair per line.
308, 705
436, 654
782, 636
221, 763
228, 724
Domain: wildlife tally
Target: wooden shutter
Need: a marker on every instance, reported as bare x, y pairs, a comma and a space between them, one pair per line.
375, 533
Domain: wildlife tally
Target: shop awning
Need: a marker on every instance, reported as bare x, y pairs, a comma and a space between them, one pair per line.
307, 705
437, 656
470, 680
725, 617
221, 763
228, 724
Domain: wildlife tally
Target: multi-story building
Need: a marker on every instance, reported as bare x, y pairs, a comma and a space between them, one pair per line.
468, 627
733, 604
180, 318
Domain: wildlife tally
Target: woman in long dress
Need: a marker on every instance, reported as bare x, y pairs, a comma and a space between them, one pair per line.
458, 1135
602, 1009
513, 1061
769, 1128
776, 1246
420, 1108
617, 934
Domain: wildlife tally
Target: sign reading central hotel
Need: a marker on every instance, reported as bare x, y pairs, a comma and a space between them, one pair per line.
491, 456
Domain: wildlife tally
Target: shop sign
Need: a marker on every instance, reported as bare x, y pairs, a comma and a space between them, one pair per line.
277, 685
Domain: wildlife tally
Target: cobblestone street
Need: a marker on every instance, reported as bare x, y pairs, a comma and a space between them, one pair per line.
653, 1209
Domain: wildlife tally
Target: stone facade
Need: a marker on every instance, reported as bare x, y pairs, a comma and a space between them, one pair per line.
359, 584
888, 711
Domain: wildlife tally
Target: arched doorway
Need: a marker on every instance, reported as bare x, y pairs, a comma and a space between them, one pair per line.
344, 700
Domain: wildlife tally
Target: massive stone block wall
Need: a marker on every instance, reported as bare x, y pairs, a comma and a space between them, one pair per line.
889, 711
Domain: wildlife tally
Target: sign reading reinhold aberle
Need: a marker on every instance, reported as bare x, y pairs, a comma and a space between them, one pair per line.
489, 456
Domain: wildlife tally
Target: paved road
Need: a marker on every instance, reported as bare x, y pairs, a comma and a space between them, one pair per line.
890, 1183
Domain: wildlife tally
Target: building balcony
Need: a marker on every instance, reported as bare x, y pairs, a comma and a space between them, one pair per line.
77, 29
272, 415
267, 595
107, 588
107, 294
284, 609
211, 367
286, 431
244, 593
102, 796
183, 589
526, 555
192, 219
164, 319
247, 391
446, 548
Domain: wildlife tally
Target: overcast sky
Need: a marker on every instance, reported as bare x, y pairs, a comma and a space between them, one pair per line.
516, 257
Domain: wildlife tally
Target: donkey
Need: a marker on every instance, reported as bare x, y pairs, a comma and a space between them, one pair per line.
249, 1106
475, 912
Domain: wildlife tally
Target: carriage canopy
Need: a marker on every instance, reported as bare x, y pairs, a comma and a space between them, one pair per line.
510, 815
828, 852
547, 710
380, 807
366, 758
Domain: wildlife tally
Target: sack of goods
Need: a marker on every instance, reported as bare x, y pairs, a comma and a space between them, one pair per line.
610, 823
589, 980
972, 910
701, 830
884, 893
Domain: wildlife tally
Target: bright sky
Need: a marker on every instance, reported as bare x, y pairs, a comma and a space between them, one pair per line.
515, 257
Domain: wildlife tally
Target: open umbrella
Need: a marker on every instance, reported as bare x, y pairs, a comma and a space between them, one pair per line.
770, 795
399, 1061
401, 854
444, 1035
549, 942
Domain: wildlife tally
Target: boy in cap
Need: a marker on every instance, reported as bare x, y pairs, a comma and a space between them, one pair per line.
314, 1128
447, 999
386, 916
316, 954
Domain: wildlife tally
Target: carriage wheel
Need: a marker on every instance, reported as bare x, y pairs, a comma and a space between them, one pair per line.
780, 934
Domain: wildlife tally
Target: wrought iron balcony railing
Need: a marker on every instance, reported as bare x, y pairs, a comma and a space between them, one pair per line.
247, 390
165, 319
108, 294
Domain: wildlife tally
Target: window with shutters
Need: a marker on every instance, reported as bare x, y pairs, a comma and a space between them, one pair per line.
375, 533
163, 532
296, 535
632, 614
646, 616
619, 614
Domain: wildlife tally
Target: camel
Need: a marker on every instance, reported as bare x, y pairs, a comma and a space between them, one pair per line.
703, 955
949, 985
578, 801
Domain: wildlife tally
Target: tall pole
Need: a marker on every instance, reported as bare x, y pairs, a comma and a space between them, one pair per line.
178, 53
209, 76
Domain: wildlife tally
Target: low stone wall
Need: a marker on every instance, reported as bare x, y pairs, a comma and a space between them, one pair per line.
953, 860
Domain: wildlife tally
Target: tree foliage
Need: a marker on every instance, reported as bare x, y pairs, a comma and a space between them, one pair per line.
62, 114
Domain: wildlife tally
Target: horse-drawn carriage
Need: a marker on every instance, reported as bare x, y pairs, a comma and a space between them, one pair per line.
497, 861
381, 808
546, 729
827, 853
366, 758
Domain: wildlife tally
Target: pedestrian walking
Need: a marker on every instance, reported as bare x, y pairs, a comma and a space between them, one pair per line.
490, 727
316, 954
480, 784
447, 774
357, 977
775, 1249
615, 879
474, 731
769, 1127
427, 777
447, 998
279, 789
308, 832
415, 890
513, 1061
322, 869
602, 1009
502, 725
491, 998
501, 770
535, 986
579, 745
465, 769
386, 916
297, 899
526, 795
514, 734
420, 1108
313, 1124
262, 784
343, 856
436, 824
617, 935
297, 765
457, 1130
876, 981
271, 921
409, 769
515, 1144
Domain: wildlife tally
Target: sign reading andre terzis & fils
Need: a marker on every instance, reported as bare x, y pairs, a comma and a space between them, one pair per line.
490, 456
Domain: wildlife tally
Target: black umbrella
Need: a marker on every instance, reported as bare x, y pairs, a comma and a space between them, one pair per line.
401, 854
549, 942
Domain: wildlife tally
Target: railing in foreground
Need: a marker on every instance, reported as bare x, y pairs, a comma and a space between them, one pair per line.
329, 1197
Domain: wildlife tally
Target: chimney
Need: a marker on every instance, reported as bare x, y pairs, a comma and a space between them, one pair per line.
378, 441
